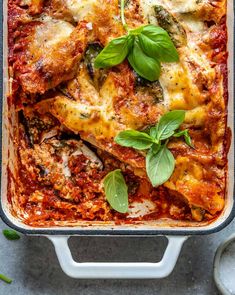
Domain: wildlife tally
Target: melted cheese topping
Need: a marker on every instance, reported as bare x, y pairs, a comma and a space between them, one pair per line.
98, 104
81, 9
180, 80
51, 32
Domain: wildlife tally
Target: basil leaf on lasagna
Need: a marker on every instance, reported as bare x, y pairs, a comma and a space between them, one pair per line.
155, 42
160, 166
186, 136
153, 132
146, 66
114, 53
169, 123
135, 139
116, 191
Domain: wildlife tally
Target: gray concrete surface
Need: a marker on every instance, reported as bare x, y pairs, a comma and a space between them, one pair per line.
32, 263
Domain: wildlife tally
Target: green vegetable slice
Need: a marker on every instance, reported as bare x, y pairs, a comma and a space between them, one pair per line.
170, 24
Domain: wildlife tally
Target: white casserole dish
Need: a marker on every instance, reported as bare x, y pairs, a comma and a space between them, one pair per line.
176, 231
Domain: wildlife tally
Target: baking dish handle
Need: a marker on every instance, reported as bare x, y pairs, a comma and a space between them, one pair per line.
118, 270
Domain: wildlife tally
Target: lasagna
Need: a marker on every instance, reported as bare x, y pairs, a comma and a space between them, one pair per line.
69, 112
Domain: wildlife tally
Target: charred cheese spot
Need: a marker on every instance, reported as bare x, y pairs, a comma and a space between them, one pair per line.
53, 55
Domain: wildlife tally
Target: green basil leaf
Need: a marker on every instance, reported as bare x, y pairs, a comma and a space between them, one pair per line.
186, 135
135, 139
169, 123
155, 42
5, 279
180, 133
115, 52
137, 31
116, 191
147, 67
188, 140
160, 166
153, 132
11, 234
155, 148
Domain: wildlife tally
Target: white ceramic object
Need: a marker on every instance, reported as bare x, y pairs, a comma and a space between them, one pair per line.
118, 270
224, 266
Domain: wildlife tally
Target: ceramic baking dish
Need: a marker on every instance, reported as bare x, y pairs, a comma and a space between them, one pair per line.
176, 231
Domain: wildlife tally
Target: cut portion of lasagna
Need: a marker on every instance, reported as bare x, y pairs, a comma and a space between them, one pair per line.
69, 112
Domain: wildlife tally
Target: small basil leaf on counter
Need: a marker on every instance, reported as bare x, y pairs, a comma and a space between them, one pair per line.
135, 139
116, 191
155, 42
147, 67
5, 279
169, 123
11, 234
160, 166
115, 52
186, 135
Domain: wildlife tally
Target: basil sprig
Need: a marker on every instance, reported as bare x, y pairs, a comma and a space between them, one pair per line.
160, 162
116, 191
145, 48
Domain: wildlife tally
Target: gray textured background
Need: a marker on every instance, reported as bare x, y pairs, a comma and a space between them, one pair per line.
32, 263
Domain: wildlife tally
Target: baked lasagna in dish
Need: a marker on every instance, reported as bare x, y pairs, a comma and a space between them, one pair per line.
121, 110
